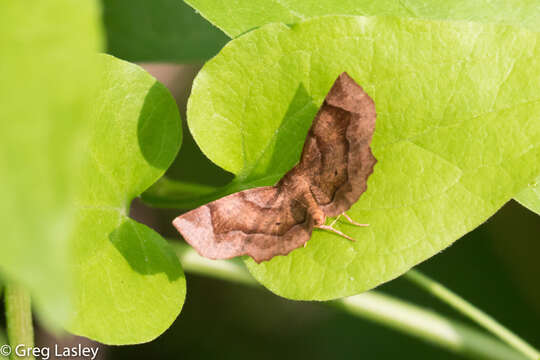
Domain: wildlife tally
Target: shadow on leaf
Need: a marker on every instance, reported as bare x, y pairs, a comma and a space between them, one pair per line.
145, 250
154, 133
281, 152
284, 148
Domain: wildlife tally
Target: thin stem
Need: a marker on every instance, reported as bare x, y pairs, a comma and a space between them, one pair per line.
477, 315
383, 309
171, 193
3, 341
179, 194
18, 318
223, 270
427, 326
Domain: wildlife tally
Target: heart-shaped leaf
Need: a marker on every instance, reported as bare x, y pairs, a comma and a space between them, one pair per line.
237, 17
530, 196
457, 135
159, 30
240, 16
129, 283
44, 115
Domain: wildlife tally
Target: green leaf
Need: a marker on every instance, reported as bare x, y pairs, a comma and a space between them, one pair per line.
130, 286
530, 196
189, 180
159, 30
239, 16
458, 133
44, 115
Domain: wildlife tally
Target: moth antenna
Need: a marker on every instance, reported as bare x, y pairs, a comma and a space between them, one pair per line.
330, 228
350, 220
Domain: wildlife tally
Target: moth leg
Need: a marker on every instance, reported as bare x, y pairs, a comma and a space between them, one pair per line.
330, 228
335, 220
350, 220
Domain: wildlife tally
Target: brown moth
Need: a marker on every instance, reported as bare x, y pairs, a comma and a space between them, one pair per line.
332, 173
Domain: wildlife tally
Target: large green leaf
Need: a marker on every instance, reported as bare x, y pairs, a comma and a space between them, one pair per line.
130, 286
458, 133
238, 16
43, 121
159, 30
530, 196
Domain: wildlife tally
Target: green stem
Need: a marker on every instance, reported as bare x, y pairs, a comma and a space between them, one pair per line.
427, 326
464, 307
3, 341
169, 193
223, 270
18, 318
383, 309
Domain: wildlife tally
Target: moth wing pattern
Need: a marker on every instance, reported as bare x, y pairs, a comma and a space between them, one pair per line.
335, 164
261, 222
337, 157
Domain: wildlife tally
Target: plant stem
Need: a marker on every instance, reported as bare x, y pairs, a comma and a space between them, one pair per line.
224, 270
3, 341
427, 326
18, 318
383, 309
169, 193
477, 315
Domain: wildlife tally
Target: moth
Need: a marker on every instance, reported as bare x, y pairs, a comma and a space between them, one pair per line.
331, 175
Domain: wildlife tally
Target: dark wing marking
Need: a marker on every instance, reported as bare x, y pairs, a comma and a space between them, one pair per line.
336, 158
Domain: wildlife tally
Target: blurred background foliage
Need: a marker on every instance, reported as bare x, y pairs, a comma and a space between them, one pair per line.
159, 30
